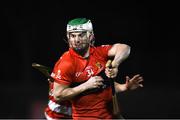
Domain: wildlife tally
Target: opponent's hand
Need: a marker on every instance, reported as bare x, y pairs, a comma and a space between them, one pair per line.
134, 82
94, 82
111, 69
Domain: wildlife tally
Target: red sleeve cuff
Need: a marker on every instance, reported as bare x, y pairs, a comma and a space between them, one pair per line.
61, 81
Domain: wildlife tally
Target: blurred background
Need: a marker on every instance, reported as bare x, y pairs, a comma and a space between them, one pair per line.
34, 31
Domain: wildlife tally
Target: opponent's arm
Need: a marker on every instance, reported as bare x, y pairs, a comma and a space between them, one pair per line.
131, 84
63, 92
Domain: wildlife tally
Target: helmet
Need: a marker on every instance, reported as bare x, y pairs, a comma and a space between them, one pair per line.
79, 24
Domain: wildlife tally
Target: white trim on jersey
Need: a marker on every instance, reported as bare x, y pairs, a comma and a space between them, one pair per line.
48, 117
59, 108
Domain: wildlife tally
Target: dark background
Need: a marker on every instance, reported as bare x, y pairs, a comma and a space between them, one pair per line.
33, 31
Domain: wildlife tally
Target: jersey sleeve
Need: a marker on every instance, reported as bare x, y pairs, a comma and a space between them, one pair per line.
63, 71
103, 50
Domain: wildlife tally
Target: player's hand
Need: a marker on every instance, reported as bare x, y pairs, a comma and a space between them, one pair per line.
111, 69
94, 82
134, 82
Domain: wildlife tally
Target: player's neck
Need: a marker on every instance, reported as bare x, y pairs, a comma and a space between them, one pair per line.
83, 52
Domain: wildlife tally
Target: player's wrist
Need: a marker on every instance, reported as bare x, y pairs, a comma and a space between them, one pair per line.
115, 64
85, 86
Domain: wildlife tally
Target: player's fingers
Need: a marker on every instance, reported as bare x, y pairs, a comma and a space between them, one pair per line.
141, 85
113, 76
127, 78
137, 79
140, 77
140, 80
98, 79
108, 63
136, 76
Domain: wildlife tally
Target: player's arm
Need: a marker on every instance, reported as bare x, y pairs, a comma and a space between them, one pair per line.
120, 52
64, 92
130, 84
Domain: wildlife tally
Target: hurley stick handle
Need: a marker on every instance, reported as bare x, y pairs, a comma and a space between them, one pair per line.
116, 110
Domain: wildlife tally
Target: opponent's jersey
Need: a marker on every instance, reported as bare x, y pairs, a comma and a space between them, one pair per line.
55, 110
72, 69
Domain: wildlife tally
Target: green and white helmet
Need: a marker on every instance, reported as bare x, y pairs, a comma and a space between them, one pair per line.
79, 24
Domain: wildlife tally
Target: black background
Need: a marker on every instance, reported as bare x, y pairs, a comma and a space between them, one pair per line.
33, 31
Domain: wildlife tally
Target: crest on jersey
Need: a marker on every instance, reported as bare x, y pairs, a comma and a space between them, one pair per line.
98, 64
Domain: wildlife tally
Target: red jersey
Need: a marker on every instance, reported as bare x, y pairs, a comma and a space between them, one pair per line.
72, 68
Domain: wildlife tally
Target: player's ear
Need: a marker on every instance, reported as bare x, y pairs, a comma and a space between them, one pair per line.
92, 38
67, 35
